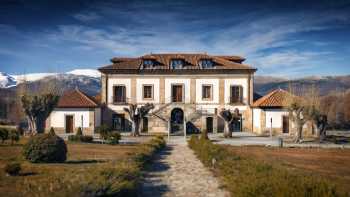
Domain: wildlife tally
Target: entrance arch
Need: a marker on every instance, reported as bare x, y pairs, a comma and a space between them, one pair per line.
177, 121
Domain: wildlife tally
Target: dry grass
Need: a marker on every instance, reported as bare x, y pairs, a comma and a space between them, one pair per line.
330, 163
81, 158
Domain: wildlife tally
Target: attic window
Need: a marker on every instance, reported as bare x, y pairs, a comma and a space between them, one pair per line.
206, 63
176, 63
148, 63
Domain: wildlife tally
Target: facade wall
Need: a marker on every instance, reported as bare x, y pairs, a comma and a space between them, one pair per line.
262, 123
192, 96
86, 118
169, 81
256, 120
214, 83
139, 90
118, 81
236, 82
276, 116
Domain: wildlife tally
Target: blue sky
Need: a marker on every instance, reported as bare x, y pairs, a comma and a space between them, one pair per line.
282, 38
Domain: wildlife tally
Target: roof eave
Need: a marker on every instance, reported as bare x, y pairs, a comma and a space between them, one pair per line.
179, 71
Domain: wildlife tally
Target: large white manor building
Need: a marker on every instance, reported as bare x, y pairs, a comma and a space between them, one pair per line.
187, 90
182, 87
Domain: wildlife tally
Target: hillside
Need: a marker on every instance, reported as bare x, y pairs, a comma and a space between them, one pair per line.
263, 85
88, 80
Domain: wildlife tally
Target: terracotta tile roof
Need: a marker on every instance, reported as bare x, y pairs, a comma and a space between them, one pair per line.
275, 98
76, 99
162, 62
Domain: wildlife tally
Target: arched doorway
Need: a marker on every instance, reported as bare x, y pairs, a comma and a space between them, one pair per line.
177, 121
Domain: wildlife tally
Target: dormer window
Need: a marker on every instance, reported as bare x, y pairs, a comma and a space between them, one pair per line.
148, 63
176, 63
206, 63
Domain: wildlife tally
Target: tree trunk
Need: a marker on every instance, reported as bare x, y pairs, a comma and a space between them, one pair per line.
135, 128
322, 131
31, 125
204, 134
299, 136
227, 131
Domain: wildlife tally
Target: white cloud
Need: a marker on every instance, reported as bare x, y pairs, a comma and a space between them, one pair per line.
162, 32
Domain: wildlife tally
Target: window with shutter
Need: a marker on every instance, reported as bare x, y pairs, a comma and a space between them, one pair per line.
147, 92
236, 94
119, 94
206, 92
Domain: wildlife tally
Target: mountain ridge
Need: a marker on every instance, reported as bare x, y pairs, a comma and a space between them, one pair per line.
89, 81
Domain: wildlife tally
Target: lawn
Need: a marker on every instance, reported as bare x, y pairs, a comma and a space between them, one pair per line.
267, 171
82, 158
333, 164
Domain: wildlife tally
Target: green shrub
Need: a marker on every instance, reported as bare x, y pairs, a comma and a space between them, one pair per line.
9, 134
245, 176
113, 138
103, 130
13, 169
81, 138
52, 131
79, 132
3, 134
14, 135
45, 148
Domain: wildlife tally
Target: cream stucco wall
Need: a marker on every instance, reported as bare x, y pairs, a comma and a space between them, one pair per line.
118, 81
256, 117
236, 81
276, 115
57, 117
215, 90
139, 89
170, 81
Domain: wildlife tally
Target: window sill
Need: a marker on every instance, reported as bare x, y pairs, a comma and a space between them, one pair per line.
237, 103
207, 99
147, 99
119, 103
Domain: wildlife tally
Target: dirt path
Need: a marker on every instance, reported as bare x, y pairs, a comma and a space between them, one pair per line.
177, 172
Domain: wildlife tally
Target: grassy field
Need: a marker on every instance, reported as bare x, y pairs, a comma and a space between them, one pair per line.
262, 171
82, 158
333, 164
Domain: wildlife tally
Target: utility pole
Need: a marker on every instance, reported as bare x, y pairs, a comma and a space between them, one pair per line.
82, 124
271, 127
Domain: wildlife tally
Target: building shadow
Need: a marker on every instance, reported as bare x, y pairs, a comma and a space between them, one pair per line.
152, 184
87, 161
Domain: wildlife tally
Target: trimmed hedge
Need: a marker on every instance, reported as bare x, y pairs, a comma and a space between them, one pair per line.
45, 148
79, 137
244, 176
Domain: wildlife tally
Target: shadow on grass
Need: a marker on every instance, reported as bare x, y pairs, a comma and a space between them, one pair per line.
152, 184
84, 161
27, 174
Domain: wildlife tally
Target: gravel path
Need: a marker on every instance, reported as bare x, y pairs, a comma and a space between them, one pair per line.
177, 172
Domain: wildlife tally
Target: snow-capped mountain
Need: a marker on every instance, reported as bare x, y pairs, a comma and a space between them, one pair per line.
86, 72
7, 81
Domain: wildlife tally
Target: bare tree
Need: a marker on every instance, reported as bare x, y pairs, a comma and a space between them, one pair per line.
306, 108
136, 115
229, 118
37, 109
